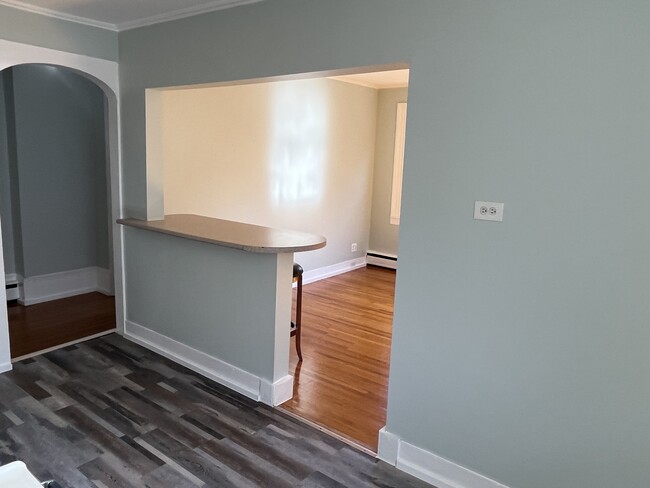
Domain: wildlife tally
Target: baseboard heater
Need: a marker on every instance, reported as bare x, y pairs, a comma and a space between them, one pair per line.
12, 287
13, 293
383, 260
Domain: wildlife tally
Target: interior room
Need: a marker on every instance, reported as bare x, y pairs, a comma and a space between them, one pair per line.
519, 336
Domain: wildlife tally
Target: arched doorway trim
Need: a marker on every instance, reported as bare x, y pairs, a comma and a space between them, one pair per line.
105, 74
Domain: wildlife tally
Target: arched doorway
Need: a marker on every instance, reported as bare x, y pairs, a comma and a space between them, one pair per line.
104, 74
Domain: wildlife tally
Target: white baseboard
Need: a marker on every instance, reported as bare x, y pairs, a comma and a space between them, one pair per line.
43, 288
224, 373
333, 270
4, 367
427, 466
388, 446
384, 260
277, 393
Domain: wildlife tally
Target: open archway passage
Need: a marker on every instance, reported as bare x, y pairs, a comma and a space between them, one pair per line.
54, 204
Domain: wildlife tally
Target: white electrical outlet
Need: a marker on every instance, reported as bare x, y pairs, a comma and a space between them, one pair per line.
488, 211
353, 248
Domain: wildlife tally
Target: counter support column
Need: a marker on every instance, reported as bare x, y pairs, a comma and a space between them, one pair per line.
282, 381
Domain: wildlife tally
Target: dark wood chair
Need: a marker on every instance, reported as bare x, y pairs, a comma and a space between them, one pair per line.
295, 326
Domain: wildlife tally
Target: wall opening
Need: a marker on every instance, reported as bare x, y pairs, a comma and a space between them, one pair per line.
54, 206
300, 154
105, 75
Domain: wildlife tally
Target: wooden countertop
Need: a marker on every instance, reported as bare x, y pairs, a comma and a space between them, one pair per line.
247, 237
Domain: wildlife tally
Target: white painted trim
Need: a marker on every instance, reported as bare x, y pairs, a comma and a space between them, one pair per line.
154, 19
427, 466
13, 53
224, 373
61, 346
4, 367
278, 392
34, 9
398, 163
43, 288
5, 353
333, 270
388, 446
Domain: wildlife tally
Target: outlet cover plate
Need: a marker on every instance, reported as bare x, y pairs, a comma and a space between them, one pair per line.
488, 211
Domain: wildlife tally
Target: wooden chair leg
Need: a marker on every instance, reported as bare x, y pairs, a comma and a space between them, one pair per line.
299, 316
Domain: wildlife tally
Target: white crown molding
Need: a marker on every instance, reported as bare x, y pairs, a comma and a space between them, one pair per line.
57, 15
182, 13
154, 19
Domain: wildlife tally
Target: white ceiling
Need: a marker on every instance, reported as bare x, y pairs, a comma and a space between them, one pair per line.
122, 14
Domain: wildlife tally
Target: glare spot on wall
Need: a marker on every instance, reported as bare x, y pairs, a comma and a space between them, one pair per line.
298, 143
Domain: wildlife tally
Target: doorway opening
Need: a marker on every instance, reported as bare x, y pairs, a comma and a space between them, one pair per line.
55, 208
342, 382
314, 154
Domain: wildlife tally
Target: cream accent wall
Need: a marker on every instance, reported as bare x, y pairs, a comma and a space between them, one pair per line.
384, 236
293, 154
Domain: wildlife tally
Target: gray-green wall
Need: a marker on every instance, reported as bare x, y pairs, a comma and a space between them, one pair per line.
56, 188
9, 205
384, 236
520, 348
184, 290
39, 30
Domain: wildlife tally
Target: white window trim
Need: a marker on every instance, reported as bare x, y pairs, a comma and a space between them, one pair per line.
398, 164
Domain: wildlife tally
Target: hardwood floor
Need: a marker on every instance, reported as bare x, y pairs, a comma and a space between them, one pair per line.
109, 413
342, 383
57, 322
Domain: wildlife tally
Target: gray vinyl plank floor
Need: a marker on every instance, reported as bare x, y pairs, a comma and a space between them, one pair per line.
108, 413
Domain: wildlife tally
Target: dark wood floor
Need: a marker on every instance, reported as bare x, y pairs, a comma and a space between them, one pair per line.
109, 413
342, 383
45, 325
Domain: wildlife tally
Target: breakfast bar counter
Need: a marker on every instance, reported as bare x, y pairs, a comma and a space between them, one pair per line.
238, 235
215, 296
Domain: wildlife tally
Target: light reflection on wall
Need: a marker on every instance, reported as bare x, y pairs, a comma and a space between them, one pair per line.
299, 121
